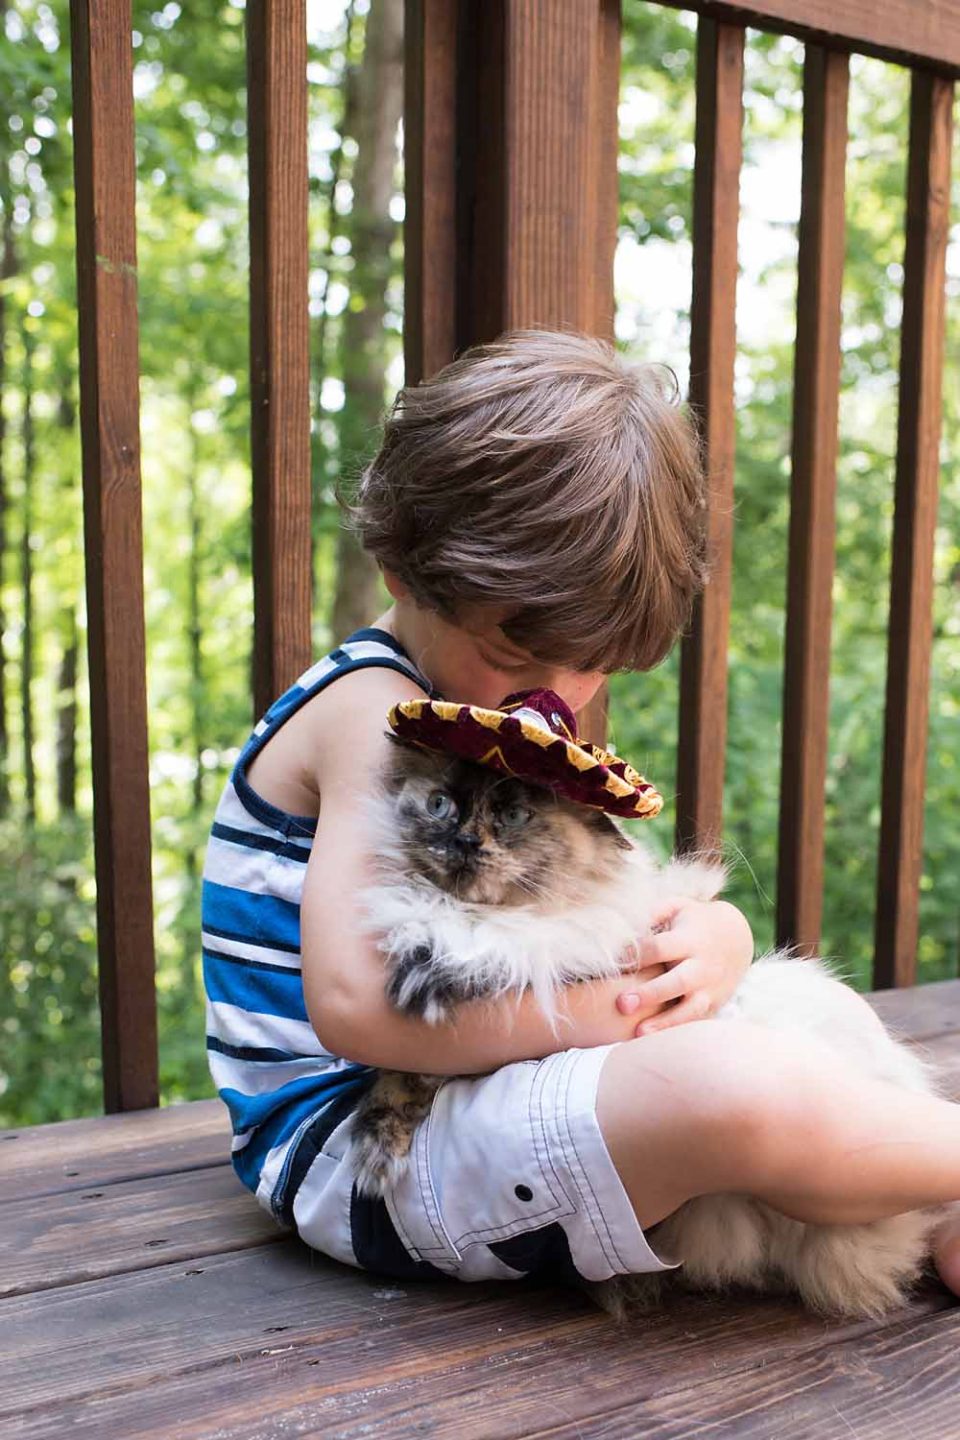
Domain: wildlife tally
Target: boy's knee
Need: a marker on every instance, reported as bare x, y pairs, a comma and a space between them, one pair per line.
690, 1105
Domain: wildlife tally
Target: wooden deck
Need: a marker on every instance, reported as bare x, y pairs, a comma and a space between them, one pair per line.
147, 1295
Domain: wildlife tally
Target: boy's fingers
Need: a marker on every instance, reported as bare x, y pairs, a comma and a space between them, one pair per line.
664, 914
692, 1008
665, 949
656, 992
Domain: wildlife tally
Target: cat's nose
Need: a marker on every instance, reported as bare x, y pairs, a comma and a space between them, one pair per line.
467, 843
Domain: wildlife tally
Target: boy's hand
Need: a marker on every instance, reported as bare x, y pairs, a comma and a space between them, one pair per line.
707, 947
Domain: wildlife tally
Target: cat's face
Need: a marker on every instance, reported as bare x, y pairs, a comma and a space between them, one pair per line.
493, 839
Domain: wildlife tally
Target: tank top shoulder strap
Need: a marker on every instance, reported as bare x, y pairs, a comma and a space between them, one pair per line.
368, 646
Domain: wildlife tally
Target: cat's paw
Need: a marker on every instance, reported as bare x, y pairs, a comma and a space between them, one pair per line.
376, 1169
417, 986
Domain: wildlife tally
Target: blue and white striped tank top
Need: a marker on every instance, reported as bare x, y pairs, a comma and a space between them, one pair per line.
268, 1065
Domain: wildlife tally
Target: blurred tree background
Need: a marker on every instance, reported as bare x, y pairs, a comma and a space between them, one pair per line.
191, 136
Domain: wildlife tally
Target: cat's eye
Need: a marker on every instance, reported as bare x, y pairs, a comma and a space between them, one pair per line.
440, 806
516, 815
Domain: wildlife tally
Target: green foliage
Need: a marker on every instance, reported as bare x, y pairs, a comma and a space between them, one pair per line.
48, 1005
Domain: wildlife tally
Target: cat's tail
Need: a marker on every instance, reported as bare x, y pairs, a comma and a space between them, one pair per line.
785, 990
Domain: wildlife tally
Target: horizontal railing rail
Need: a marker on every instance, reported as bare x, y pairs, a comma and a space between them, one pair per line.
921, 33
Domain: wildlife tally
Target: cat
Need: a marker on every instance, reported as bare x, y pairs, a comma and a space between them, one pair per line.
488, 885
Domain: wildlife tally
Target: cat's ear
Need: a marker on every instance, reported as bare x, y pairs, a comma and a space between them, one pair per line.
397, 763
398, 740
408, 758
602, 821
411, 748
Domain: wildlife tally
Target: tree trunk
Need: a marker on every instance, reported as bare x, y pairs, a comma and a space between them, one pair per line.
26, 577
67, 714
69, 653
193, 603
372, 230
8, 266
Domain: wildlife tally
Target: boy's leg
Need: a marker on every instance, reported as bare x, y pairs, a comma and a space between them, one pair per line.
726, 1106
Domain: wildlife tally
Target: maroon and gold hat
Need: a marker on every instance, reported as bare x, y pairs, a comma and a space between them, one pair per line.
532, 735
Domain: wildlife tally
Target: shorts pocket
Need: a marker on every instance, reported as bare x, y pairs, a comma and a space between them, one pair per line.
484, 1172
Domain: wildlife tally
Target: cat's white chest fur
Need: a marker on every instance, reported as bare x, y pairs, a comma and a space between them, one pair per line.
503, 948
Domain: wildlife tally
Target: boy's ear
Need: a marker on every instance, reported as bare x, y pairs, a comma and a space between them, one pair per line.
396, 586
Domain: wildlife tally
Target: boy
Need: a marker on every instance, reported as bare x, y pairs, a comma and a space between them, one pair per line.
537, 511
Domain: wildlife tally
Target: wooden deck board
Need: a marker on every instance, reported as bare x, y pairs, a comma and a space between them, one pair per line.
80, 1154
130, 1225
155, 1299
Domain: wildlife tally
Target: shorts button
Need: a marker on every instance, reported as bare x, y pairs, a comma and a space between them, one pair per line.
523, 1192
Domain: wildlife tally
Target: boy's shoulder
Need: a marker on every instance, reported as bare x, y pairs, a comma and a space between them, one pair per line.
347, 719
339, 732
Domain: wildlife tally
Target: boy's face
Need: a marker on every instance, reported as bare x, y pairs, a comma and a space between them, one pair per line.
473, 661
498, 666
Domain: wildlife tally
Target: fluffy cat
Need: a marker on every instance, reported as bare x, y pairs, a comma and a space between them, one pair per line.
487, 885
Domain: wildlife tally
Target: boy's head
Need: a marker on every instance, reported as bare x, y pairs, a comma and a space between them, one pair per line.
546, 486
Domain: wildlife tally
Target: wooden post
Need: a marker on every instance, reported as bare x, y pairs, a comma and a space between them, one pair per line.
430, 179
105, 176
812, 502
279, 345
900, 860
510, 132
716, 209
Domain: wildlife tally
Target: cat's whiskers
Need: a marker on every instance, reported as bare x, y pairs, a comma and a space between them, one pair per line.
531, 887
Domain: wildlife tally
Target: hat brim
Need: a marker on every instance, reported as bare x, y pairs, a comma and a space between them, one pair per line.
514, 745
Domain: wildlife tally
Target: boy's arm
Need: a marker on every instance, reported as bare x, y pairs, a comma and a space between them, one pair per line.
343, 972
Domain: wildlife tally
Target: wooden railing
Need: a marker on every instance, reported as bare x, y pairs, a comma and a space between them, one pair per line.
511, 214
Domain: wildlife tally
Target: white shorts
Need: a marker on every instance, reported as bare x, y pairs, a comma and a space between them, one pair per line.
509, 1175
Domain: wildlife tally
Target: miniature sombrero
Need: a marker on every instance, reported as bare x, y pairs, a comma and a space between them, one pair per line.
532, 735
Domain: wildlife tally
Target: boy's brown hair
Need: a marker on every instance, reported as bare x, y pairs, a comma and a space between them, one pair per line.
546, 472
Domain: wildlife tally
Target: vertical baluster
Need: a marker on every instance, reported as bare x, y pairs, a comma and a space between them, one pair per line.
430, 181
105, 177
915, 512
552, 106
532, 182
812, 502
537, 103
703, 662
593, 718
279, 344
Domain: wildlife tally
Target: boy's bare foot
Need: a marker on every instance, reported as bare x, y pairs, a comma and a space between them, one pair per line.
946, 1250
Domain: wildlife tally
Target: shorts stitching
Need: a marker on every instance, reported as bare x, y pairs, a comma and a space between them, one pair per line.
580, 1176
513, 1227
346, 1229
543, 1157
593, 1211
415, 1251
525, 1221
428, 1203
